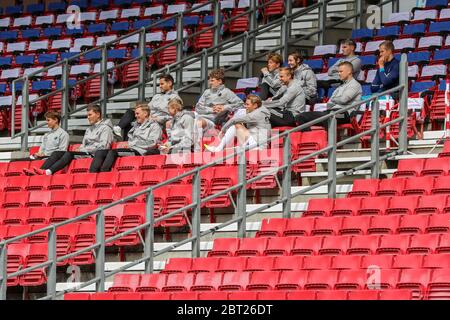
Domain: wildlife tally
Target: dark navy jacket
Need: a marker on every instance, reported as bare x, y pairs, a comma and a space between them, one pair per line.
388, 79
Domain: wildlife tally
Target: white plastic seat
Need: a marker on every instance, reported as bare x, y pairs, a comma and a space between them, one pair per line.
398, 17
153, 11
325, 50
433, 41
447, 41
154, 37
371, 74
5, 22
38, 45
54, 72
372, 46
82, 42
134, 39
29, 71
105, 39
434, 70
198, 9
47, 19
80, 69
61, 44
110, 65
108, 15
413, 71
22, 21
11, 73
175, 8
5, 101
407, 43
422, 15
362, 76
88, 16
16, 46
130, 13
445, 14
247, 83
31, 97
243, 4
172, 35
227, 4
64, 17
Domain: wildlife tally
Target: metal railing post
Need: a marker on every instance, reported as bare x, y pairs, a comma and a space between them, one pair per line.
65, 95
241, 199
149, 232
245, 56
196, 213
104, 80
100, 251
180, 34
217, 32
375, 139
142, 66
332, 133
322, 20
359, 13
285, 30
286, 183
155, 85
25, 113
396, 6
253, 25
204, 70
3, 271
13, 109
51, 273
403, 105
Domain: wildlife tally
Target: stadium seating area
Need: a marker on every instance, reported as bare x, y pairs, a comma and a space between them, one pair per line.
388, 239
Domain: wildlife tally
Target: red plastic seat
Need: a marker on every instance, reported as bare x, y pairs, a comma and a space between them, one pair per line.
436, 261
105, 196
213, 295
363, 295
391, 187
152, 162
301, 295
108, 179
152, 177
60, 198
288, 263
402, 205
102, 296
38, 199
413, 224
39, 215
272, 295
15, 216
112, 218
396, 295
77, 296
441, 185
346, 207
178, 197
436, 167
85, 237
235, 281
224, 247
374, 206
327, 226
335, 245
418, 186
134, 296
15, 168
83, 181
260, 264
15, 199
393, 244
444, 244
65, 237
364, 188
407, 261
243, 295
15, 260
423, 243
416, 280
14, 183
60, 181
125, 282
80, 165
381, 261
332, 295
319, 207
232, 264
279, 246
384, 224
128, 163
317, 262
409, 167
307, 246
273, 227
177, 265
263, 280
63, 213
130, 191
439, 285
133, 215
344, 262
251, 247
292, 280
299, 226
224, 177
431, 204
38, 182
127, 179
184, 296
363, 245
179, 282
438, 223
355, 225
351, 280
151, 282
84, 197
321, 279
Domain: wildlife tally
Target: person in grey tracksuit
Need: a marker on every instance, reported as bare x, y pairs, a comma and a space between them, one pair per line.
143, 138
288, 102
270, 82
181, 131
98, 136
308, 81
251, 129
333, 71
348, 93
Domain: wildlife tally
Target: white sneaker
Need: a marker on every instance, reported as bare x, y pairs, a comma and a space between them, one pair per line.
117, 132
210, 148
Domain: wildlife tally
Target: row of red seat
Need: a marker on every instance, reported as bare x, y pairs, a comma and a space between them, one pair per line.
332, 245
295, 263
423, 167
421, 281
400, 186
394, 294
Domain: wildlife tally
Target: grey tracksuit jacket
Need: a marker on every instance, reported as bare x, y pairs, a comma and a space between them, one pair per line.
143, 136
257, 123
98, 136
290, 97
158, 106
308, 80
273, 80
55, 140
212, 97
181, 135
333, 72
345, 95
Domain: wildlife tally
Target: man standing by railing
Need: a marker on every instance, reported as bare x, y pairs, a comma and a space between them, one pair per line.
349, 92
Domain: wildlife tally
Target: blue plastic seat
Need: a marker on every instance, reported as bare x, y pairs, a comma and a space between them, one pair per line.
168, 24
316, 65
368, 62
83, 4
68, 55
13, 10
53, 32
37, 8
99, 3
94, 55
121, 3
56, 7
47, 58
117, 54
442, 55
440, 27
142, 23
25, 60
135, 52
75, 32
416, 29
332, 62
9, 35
418, 87
98, 28
366, 90
71, 82
43, 85
442, 85
120, 26
419, 57
437, 3
3, 88
31, 33
362, 34
392, 31
190, 21
5, 62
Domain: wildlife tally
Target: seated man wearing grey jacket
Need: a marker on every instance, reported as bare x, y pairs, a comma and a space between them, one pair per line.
306, 76
215, 104
98, 136
288, 102
181, 133
252, 129
143, 138
270, 82
57, 139
349, 92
